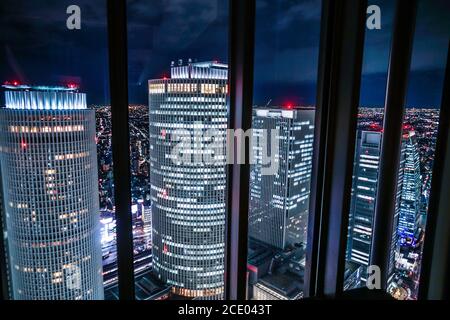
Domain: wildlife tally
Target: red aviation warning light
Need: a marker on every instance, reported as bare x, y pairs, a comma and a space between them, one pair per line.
375, 127
14, 83
408, 128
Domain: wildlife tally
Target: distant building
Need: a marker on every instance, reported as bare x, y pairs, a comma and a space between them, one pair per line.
48, 158
364, 192
279, 202
188, 197
410, 203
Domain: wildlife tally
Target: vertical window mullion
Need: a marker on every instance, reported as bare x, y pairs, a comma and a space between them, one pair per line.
241, 56
118, 70
339, 81
397, 85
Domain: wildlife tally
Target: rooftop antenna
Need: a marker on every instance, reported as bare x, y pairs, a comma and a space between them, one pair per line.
268, 103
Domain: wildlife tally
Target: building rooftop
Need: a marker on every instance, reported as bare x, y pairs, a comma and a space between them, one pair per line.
20, 87
199, 70
148, 287
203, 64
285, 284
24, 97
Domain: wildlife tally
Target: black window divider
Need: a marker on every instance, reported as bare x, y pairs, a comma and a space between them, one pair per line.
241, 56
118, 71
396, 91
339, 81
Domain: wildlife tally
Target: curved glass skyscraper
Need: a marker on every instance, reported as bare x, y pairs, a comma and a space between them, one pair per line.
411, 192
188, 177
49, 174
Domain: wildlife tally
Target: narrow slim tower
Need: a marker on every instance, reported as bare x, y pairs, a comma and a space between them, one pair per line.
49, 175
188, 178
363, 201
411, 191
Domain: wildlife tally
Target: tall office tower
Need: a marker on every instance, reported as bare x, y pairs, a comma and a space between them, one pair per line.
363, 201
364, 192
410, 204
279, 200
188, 188
4, 272
49, 177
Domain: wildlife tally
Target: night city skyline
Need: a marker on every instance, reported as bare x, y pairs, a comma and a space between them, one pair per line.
286, 51
170, 204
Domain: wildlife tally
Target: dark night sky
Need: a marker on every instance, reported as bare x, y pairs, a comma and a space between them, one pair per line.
37, 48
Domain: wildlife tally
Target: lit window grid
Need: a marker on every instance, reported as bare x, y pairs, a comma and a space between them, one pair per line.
363, 198
411, 190
41, 243
279, 203
188, 236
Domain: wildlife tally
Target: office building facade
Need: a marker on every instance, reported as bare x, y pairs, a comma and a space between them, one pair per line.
49, 176
279, 201
364, 192
187, 185
410, 204
363, 202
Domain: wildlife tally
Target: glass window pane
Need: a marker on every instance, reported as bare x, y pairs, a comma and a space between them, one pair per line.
419, 144
368, 148
417, 151
286, 57
178, 77
54, 68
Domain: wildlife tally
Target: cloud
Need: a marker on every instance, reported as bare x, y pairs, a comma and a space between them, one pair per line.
307, 10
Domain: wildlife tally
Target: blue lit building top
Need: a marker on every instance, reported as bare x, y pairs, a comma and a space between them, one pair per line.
23, 97
19, 87
199, 70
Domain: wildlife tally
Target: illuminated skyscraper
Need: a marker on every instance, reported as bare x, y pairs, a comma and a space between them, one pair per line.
363, 202
279, 200
188, 188
49, 175
364, 192
411, 190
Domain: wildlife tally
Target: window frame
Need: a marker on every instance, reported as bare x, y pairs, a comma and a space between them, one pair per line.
339, 77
